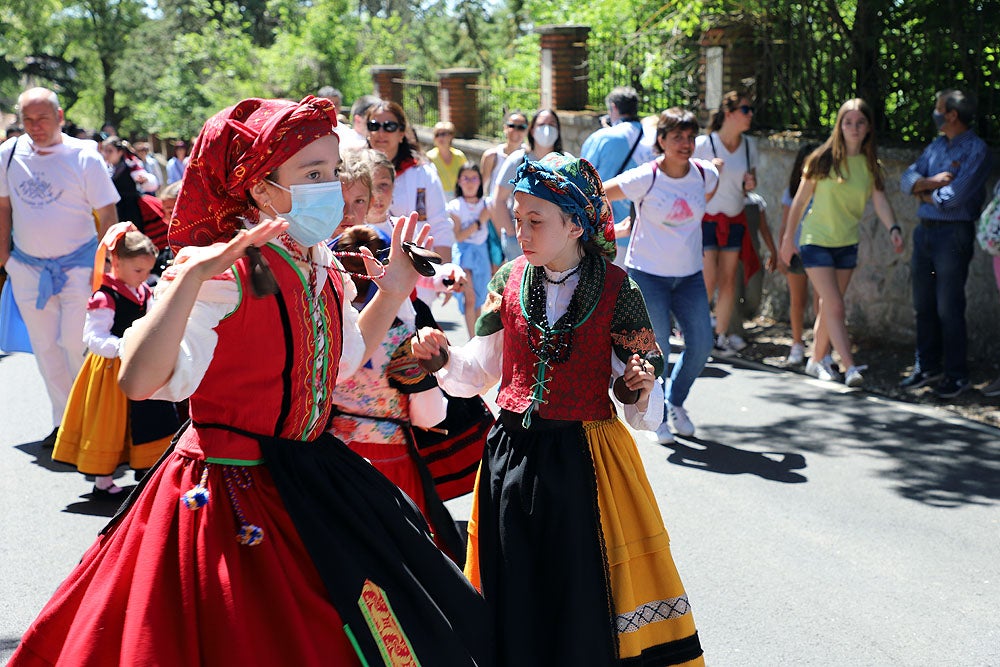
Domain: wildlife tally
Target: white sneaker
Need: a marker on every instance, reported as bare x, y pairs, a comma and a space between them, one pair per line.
679, 420
721, 348
736, 343
818, 371
796, 355
832, 368
664, 435
854, 377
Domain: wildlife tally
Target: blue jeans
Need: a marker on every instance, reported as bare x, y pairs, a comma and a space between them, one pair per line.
940, 266
686, 298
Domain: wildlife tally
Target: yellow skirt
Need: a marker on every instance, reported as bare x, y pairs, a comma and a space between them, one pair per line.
649, 599
94, 435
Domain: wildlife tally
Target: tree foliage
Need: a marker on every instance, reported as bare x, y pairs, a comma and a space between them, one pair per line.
164, 65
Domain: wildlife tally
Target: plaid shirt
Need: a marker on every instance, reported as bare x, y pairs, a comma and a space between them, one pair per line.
968, 159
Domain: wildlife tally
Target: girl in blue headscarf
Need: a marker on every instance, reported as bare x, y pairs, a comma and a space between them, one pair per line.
566, 541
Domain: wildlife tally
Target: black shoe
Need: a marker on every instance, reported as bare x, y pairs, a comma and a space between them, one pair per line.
105, 494
918, 379
951, 387
50, 440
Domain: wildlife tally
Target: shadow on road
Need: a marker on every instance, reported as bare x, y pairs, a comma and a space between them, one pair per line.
936, 462
715, 457
92, 506
43, 457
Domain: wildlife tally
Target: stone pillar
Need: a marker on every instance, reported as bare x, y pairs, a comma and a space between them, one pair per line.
564, 66
728, 62
383, 79
457, 102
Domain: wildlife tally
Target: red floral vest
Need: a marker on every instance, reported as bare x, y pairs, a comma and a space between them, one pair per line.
262, 378
577, 389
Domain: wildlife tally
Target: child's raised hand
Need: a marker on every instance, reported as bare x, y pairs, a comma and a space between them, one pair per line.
400, 277
204, 262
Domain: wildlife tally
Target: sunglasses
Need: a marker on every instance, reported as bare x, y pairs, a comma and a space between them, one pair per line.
746, 109
517, 126
387, 126
443, 134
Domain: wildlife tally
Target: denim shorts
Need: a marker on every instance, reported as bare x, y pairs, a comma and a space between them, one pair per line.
844, 257
709, 236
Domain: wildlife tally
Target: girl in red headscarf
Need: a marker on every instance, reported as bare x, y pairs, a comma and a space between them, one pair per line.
259, 538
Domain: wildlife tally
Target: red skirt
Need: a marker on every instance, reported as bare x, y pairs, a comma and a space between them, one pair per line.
172, 586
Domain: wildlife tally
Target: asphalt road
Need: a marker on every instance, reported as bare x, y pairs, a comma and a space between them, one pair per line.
811, 526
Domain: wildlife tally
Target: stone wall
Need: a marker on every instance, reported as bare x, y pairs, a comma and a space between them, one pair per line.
879, 301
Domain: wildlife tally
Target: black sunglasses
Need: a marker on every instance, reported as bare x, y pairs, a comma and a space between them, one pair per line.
387, 126
517, 126
746, 109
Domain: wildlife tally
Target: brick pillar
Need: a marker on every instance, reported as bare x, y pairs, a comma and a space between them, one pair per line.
385, 87
728, 62
457, 102
564, 66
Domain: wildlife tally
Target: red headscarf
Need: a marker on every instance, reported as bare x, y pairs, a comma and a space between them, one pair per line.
235, 150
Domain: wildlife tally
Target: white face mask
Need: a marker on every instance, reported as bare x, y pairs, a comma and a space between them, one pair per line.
317, 209
545, 135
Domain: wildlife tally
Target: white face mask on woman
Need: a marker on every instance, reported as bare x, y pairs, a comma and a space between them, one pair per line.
545, 135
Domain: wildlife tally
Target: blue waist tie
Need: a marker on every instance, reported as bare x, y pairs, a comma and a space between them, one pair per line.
53, 269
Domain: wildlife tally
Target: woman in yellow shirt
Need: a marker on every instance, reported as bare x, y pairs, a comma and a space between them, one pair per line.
839, 177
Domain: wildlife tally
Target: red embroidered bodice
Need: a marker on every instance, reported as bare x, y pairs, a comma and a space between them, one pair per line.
576, 389
275, 365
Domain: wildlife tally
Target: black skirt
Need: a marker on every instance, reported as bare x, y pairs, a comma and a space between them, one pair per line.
541, 549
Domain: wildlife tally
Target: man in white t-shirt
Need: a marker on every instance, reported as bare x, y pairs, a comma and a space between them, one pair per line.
51, 186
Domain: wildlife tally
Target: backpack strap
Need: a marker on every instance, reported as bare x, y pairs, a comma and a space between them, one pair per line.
711, 142
637, 206
628, 157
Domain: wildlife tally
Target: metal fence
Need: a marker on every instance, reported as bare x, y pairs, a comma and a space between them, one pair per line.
662, 66
494, 102
420, 101
806, 70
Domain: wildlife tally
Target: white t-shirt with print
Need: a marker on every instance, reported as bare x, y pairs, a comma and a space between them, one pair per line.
468, 214
666, 237
52, 195
728, 199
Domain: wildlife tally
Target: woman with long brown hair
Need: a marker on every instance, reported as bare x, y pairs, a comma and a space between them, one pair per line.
839, 177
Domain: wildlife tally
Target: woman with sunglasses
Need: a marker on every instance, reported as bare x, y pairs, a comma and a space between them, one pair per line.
418, 187
515, 127
544, 137
725, 238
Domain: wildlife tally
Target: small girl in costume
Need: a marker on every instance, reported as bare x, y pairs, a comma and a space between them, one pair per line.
377, 407
101, 428
471, 214
566, 541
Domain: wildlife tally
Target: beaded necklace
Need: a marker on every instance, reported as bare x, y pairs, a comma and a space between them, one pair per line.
576, 270
552, 345
295, 250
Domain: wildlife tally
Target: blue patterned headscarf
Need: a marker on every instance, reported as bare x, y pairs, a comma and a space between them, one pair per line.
575, 187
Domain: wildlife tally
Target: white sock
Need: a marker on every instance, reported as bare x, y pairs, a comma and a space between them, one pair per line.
104, 482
